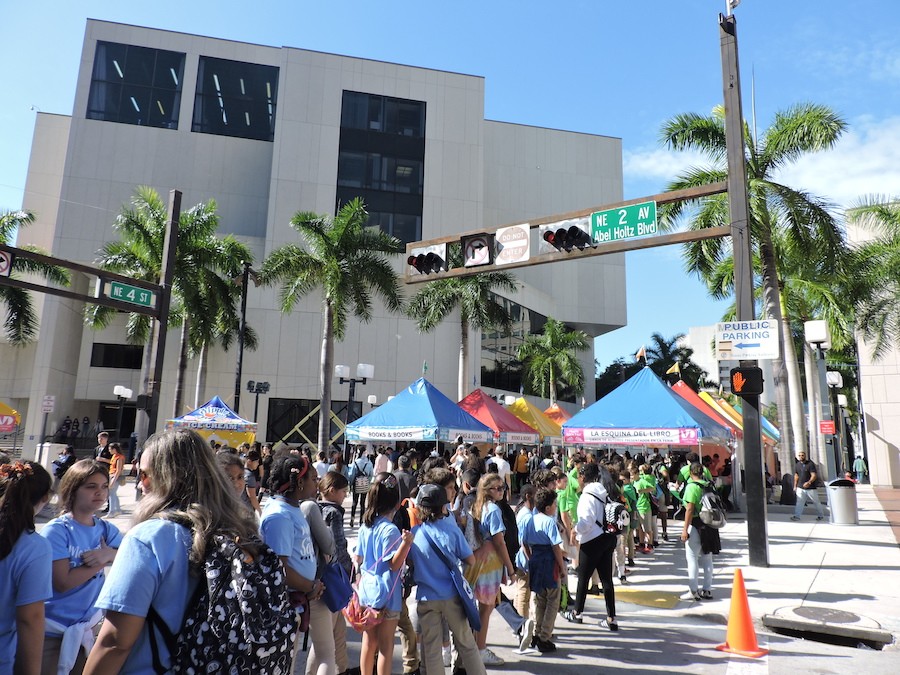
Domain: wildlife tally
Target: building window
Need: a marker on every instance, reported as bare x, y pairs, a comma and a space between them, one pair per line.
382, 161
116, 356
136, 85
235, 99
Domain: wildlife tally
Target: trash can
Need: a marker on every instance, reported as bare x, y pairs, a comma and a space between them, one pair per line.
842, 501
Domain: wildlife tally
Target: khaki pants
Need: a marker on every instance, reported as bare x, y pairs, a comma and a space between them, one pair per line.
339, 630
320, 659
546, 605
431, 612
522, 599
408, 642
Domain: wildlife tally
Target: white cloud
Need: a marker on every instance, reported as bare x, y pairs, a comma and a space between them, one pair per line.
865, 161
649, 163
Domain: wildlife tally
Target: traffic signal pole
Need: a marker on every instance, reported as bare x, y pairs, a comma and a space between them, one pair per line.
757, 531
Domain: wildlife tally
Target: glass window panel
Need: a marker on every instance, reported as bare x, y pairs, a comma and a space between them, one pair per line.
407, 228
352, 169
375, 113
235, 99
135, 85
354, 110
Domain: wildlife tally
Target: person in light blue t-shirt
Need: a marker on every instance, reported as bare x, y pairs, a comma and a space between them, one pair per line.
546, 566
381, 552
154, 573
24, 566
83, 545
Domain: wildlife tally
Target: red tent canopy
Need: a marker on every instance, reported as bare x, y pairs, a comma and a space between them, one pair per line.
507, 427
691, 397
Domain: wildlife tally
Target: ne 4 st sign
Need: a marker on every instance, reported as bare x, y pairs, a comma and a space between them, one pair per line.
750, 340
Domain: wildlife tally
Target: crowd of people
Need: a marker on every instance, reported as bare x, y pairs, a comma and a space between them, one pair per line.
81, 597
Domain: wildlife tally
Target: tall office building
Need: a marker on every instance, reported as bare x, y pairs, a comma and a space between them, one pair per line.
267, 132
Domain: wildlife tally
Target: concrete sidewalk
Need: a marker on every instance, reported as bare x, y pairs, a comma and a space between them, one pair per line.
839, 568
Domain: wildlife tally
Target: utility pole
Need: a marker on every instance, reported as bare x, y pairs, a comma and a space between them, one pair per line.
245, 278
757, 535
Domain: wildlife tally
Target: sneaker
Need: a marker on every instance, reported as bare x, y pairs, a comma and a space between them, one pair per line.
489, 658
697, 596
571, 616
665, 536
612, 625
655, 544
445, 655
706, 595
623, 579
795, 517
820, 517
543, 646
526, 634
631, 561
594, 590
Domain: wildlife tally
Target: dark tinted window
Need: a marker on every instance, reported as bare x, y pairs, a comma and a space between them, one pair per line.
116, 356
136, 85
235, 99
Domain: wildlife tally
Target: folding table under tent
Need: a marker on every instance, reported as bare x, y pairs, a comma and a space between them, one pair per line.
418, 413
642, 411
507, 427
215, 421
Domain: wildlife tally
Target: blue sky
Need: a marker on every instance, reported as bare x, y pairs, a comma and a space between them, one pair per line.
603, 66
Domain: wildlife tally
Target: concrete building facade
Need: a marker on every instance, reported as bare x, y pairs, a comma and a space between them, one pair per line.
267, 132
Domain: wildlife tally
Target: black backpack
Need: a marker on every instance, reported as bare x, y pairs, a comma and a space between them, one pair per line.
239, 619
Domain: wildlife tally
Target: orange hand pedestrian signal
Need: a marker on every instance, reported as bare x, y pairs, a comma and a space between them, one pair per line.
746, 381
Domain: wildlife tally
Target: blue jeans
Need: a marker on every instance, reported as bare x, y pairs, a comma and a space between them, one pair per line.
696, 559
114, 506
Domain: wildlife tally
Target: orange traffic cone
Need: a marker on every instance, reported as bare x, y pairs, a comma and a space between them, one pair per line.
741, 637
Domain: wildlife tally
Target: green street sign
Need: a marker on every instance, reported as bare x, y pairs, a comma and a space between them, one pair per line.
625, 222
133, 294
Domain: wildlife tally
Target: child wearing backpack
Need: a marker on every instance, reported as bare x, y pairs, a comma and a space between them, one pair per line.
381, 552
543, 547
83, 545
25, 561
691, 535
188, 509
333, 489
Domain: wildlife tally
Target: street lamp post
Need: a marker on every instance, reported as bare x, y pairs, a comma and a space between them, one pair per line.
364, 371
816, 334
243, 279
836, 381
123, 394
257, 388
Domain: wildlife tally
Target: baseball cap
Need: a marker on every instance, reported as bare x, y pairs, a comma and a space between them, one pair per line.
431, 496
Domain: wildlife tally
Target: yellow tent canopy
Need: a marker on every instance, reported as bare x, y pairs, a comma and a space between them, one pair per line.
9, 418
529, 413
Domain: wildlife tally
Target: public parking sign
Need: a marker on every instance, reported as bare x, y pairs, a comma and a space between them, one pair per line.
747, 340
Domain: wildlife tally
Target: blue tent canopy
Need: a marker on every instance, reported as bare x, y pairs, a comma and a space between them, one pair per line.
641, 411
418, 413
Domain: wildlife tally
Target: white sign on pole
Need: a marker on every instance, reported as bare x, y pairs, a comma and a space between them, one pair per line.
747, 340
48, 404
6, 260
513, 244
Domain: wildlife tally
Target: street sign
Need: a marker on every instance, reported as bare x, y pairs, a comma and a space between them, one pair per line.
477, 250
6, 261
826, 427
127, 293
513, 244
747, 340
625, 222
48, 404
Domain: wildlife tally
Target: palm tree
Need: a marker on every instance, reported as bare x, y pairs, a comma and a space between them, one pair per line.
348, 262
202, 291
550, 358
875, 278
664, 353
474, 297
778, 213
21, 323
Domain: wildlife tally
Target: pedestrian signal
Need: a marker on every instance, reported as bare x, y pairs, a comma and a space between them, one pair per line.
746, 381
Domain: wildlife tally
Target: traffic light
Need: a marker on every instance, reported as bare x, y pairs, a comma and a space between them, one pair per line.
746, 381
428, 259
566, 236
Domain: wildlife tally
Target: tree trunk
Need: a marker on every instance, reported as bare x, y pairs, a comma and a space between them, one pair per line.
200, 389
463, 384
325, 376
142, 419
772, 303
552, 384
182, 367
795, 389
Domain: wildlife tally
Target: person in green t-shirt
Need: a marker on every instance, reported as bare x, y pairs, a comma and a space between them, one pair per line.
690, 535
646, 487
631, 504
